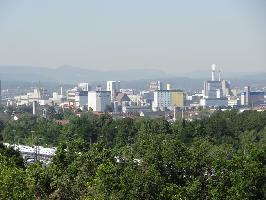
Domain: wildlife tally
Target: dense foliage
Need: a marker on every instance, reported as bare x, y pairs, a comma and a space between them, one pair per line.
98, 157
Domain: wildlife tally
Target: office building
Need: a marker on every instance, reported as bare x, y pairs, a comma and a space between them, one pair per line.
113, 87
99, 100
245, 96
168, 99
252, 98
162, 100
81, 99
257, 98
155, 85
77, 95
178, 98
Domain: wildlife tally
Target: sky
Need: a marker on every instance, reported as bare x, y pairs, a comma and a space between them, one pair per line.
170, 35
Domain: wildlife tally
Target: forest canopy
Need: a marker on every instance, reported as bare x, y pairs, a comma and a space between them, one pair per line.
98, 157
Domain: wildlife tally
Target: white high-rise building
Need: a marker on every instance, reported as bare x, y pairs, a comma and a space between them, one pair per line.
98, 100
113, 87
213, 88
162, 99
155, 85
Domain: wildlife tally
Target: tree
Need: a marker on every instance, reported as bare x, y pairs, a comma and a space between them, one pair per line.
15, 183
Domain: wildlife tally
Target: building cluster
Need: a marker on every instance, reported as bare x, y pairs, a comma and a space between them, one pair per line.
111, 98
216, 93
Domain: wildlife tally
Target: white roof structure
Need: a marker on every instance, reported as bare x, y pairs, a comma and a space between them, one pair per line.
23, 149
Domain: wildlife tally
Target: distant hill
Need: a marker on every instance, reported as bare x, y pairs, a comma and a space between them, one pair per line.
138, 78
68, 74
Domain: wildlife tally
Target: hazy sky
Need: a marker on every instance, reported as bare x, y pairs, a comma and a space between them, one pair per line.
175, 35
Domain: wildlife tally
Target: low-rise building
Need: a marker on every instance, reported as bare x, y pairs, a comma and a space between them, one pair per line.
234, 102
136, 109
36, 95
208, 102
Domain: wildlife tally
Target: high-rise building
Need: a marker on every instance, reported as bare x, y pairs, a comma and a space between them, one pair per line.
77, 96
168, 98
99, 100
257, 98
155, 85
252, 98
162, 100
213, 88
226, 88
178, 98
81, 98
71, 96
113, 87
247, 97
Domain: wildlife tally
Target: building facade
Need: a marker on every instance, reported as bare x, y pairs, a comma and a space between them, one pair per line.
155, 85
113, 87
221, 102
36, 95
213, 89
226, 88
168, 99
81, 98
99, 100
251, 99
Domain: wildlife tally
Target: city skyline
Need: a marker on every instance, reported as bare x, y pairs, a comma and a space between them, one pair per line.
169, 36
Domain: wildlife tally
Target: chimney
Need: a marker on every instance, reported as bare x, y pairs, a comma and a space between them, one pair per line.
34, 107
213, 72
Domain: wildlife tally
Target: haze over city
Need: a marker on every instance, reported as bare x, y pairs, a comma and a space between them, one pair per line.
176, 36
